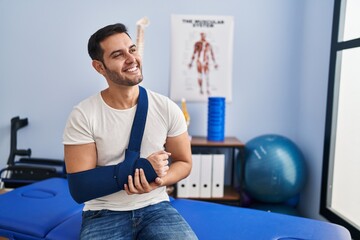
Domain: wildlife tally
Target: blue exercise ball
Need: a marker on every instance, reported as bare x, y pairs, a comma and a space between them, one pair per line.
274, 168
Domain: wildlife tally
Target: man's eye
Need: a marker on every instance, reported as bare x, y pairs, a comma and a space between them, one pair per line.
133, 50
117, 55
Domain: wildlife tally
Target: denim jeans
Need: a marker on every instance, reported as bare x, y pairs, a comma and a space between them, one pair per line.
155, 222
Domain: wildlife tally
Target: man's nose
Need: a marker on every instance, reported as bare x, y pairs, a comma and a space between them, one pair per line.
130, 57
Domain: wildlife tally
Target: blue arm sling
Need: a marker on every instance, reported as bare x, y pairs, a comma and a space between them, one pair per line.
105, 180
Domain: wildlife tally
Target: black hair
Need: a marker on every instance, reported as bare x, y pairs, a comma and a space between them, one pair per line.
94, 48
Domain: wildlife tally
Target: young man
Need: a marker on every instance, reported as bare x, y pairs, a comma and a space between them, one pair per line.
97, 135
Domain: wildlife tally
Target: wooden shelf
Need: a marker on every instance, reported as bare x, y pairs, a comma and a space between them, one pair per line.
229, 195
5, 190
228, 142
200, 145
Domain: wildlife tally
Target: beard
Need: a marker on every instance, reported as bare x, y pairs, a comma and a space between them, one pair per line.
123, 80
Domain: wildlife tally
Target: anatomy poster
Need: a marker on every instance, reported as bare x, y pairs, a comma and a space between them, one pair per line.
201, 57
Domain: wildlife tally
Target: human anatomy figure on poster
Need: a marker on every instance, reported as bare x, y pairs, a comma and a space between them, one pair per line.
202, 53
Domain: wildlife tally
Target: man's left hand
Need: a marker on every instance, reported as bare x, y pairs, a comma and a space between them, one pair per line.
139, 184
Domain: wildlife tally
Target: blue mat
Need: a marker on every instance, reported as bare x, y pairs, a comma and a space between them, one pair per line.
45, 210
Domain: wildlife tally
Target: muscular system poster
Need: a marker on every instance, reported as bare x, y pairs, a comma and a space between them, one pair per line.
201, 57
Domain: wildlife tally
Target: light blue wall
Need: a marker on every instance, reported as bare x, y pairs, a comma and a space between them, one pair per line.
280, 66
317, 22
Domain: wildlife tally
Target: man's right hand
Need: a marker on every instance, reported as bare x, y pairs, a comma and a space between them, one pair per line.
160, 162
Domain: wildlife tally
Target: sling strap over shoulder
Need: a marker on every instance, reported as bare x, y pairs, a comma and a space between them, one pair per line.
139, 122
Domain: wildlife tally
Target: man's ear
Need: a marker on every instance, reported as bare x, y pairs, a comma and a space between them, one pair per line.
99, 66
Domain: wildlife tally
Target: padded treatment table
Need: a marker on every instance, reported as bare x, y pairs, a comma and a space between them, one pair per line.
42, 210
45, 210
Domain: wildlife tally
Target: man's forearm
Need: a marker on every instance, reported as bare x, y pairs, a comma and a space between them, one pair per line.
105, 180
178, 170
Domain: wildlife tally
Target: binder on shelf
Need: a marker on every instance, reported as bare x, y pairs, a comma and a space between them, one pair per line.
182, 188
194, 177
205, 175
218, 175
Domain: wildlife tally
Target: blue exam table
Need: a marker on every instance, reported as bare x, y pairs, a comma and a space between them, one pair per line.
45, 210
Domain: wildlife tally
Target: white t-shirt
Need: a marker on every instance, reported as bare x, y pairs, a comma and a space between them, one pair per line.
92, 120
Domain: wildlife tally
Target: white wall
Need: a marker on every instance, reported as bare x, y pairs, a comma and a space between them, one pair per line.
279, 73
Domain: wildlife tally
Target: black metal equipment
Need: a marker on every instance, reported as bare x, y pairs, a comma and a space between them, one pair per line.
27, 170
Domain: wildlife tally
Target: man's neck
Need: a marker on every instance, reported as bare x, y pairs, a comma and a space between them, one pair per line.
121, 98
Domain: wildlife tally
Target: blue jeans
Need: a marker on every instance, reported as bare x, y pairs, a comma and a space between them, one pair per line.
156, 222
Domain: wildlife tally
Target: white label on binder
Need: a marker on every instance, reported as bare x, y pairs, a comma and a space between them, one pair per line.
194, 177
218, 175
182, 188
205, 175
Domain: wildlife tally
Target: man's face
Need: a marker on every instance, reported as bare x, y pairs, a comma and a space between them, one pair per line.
121, 60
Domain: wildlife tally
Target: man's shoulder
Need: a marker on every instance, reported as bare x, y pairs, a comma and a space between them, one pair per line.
156, 95
158, 98
89, 102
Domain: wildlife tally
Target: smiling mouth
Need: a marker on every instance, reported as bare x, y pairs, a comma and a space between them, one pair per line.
133, 69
